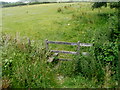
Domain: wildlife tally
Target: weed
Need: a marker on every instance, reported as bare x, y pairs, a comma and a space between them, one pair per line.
59, 10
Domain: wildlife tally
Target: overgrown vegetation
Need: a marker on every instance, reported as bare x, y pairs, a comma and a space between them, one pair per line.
25, 66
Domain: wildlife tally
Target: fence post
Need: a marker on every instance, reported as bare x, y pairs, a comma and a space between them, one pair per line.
15, 40
18, 37
78, 48
29, 42
46, 44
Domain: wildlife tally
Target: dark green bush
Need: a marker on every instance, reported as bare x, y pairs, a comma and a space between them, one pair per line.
59, 10
13, 4
21, 4
115, 5
99, 5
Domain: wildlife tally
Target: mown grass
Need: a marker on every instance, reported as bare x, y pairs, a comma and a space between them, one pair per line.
71, 23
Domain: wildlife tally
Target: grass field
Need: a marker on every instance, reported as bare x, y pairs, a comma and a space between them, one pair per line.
44, 22
40, 22
37, 20
75, 22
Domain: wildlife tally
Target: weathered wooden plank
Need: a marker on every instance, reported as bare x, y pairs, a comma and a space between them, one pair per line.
50, 59
68, 43
53, 57
69, 52
86, 44
58, 42
55, 54
46, 44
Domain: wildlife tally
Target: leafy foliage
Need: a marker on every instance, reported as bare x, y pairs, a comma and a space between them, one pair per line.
115, 5
99, 5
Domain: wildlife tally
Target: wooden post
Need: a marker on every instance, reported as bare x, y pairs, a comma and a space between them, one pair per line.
29, 42
46, 44
78, 48
15, 40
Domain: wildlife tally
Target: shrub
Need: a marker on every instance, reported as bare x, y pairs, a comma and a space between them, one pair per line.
115, 5
107, 51
65, 7
99, 5
59, 10
104, 51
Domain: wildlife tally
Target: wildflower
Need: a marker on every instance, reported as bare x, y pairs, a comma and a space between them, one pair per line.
68, 24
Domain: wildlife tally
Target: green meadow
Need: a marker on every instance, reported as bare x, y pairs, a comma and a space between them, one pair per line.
25, 66
37, 21
40, 22
44, 22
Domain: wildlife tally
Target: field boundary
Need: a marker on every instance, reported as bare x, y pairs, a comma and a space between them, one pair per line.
78, 44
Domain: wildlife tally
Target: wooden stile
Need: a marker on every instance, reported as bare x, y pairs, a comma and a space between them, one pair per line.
66, 43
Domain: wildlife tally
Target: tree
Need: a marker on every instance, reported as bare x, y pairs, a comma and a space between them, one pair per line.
99, 5
111, 4
115, 5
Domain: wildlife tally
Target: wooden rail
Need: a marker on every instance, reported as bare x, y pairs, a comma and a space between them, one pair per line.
78, 44
57, 42
68, 52
86, 44
68, 43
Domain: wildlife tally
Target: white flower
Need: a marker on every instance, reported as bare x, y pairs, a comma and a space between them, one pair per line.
68, 24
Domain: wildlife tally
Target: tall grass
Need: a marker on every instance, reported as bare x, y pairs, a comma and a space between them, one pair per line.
24, 65
102, 64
